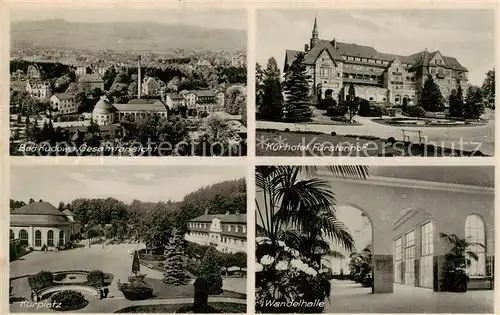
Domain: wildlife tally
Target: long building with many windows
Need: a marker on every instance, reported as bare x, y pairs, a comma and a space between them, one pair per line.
226, 232
378, 77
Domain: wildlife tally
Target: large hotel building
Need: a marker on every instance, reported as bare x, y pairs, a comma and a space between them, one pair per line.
378, 77
226, 232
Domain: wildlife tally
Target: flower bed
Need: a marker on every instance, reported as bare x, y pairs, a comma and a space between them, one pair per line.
137, 289
68, 300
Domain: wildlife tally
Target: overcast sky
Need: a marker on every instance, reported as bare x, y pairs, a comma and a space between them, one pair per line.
125, 183
221, 19
467, 35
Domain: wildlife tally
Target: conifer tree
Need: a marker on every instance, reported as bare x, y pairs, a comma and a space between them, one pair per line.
473, 106
431, 98
456, 102
272, 96
136, 266
210, 270
296, 87
174, 272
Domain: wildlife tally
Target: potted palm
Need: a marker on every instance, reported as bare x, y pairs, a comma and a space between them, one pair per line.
457, 260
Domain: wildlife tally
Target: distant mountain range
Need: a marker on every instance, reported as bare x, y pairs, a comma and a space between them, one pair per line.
125, 36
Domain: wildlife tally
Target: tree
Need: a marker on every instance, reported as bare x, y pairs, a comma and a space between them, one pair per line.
473, 106
61, 206
306, 223
81, 100
219, 134
174, 264
488, 87
456, 102
431, 98
93, 135
296, 87
210, 270
233, 101
360, 266
31, 200
458, 260
136, 266
271, 93
351, 93
109, 77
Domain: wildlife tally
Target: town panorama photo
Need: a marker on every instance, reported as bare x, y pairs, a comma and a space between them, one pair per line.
375, 82
128, 82
128, 239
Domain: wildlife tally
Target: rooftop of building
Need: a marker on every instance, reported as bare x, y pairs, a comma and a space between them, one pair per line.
90, 77
224, 218
157, 106
103, 106
64, 96
37, 208
338, 50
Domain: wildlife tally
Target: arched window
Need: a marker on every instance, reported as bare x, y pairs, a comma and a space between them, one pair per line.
474, 233
38, 238
11, 235
50, 238
23, 235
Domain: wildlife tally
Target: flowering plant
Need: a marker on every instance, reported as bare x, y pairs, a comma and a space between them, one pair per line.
287, 281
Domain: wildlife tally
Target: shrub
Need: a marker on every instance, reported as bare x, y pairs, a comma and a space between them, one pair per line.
335, 111
136, 290
326, 103
287, 130
96, 278
68, 300
391, 140
415, 111
210, 271
40, 280
59, 277
377, 111
364, 108
333, 133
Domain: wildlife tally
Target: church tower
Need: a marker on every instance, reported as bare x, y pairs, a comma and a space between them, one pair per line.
315, 34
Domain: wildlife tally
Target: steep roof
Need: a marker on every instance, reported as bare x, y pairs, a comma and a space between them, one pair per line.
322, 45
224, 218
37, 208
148, 107
204, 93
342, 49
64, 96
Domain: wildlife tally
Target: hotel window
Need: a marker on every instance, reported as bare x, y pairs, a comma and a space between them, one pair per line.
229, 227
410, 258
426, 254
11, 235
244, 229
38, 238
50, 238
61, 237
398, 264
474, 233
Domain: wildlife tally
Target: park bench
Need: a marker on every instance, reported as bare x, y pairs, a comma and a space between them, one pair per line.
408, 132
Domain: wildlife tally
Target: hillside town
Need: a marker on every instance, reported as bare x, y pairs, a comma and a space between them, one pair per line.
186, 104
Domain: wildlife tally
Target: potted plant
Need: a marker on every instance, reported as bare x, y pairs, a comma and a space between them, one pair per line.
457, 260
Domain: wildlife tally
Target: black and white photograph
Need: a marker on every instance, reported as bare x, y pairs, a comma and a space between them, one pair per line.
375, 239
120, 81
128, 239
350, 82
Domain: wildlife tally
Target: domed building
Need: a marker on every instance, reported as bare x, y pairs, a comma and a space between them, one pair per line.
104, 112
40, 223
